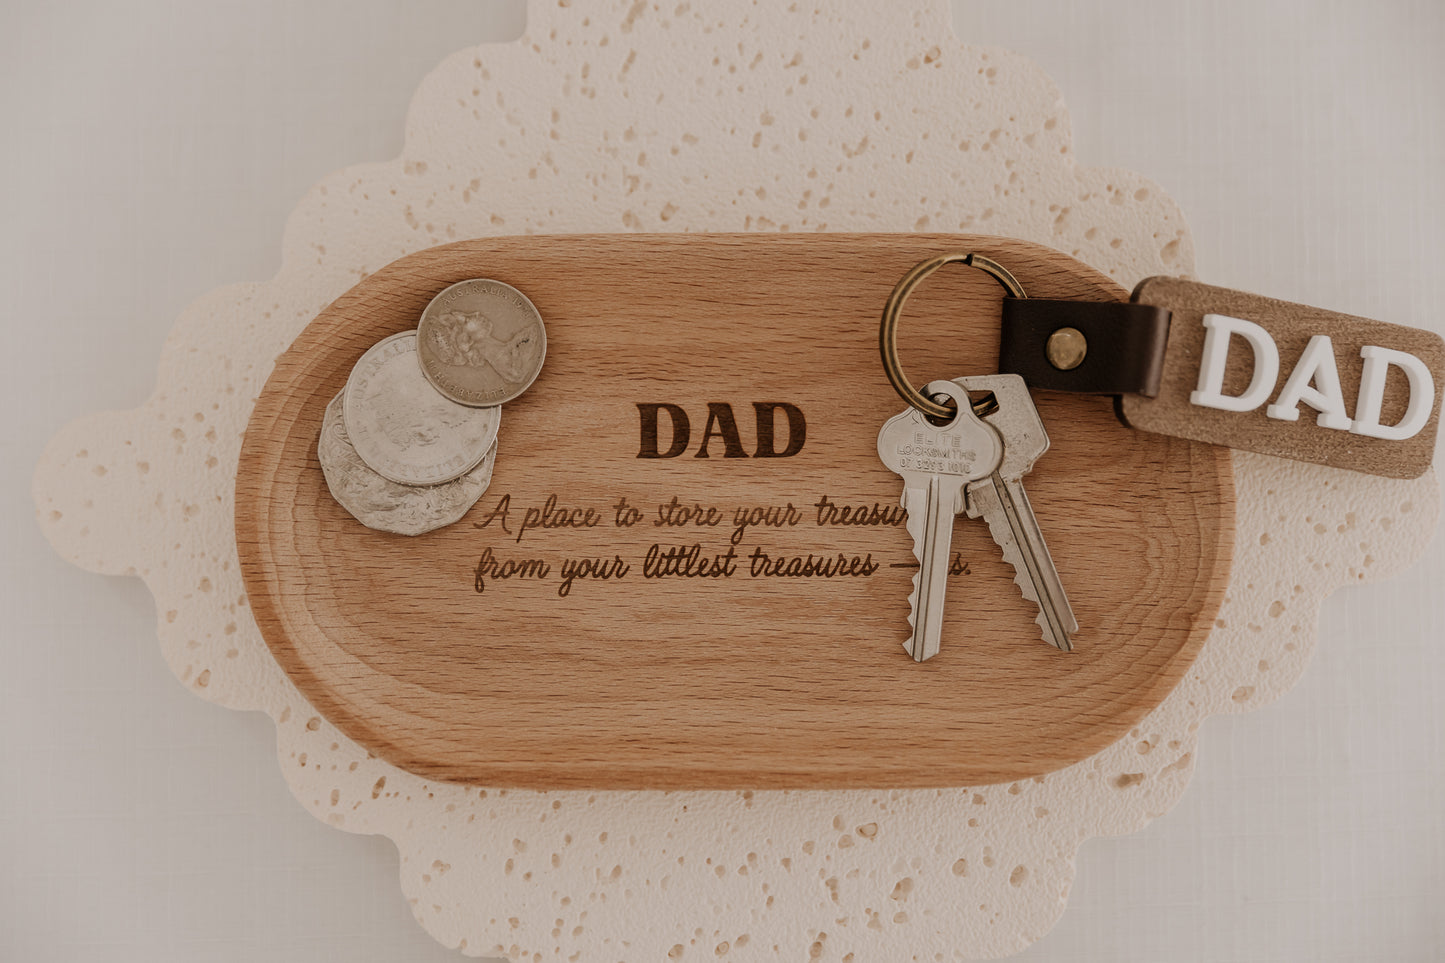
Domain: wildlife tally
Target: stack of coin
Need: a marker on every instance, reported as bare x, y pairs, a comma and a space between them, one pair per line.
409, 444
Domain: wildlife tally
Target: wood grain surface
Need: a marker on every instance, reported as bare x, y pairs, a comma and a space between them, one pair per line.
751, 680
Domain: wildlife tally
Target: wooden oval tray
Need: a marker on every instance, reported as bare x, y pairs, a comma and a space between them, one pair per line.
755, 679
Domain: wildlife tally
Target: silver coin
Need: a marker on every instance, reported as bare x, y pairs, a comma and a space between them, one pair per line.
481, 342
384, 505
402, 428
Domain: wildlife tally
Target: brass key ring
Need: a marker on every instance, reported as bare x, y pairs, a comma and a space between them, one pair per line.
888, 331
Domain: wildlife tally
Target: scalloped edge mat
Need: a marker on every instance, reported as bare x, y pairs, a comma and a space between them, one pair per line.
614, 120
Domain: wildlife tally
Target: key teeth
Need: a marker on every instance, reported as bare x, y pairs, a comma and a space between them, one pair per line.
1012, 554
913, 604
913, 609
1063, 645
913, 524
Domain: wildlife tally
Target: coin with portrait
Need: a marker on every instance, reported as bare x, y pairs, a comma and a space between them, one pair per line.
481, 342
402, 427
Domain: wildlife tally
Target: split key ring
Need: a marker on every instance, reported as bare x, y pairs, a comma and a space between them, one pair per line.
888, 330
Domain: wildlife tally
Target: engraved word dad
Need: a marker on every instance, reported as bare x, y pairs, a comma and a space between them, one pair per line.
721, 425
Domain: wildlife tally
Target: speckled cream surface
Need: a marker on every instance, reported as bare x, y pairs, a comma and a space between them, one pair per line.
725, 116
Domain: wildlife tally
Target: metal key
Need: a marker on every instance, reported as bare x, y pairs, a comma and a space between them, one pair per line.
937, 464
1002, 502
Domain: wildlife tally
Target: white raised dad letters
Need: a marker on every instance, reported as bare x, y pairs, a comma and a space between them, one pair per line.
1314, 381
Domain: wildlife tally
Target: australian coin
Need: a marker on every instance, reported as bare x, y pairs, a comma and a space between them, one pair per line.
481, 342
384, 505
402, 427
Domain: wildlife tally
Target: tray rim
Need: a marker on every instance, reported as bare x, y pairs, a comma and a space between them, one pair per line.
248, 529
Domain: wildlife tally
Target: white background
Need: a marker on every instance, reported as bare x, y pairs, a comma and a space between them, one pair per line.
151, 152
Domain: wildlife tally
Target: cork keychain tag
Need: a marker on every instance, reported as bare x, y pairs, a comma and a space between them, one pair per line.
1285, 379
1244, 371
